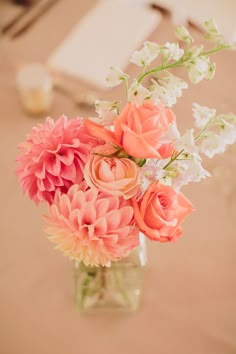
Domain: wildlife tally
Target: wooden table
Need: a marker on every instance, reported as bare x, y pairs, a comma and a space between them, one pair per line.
189, 299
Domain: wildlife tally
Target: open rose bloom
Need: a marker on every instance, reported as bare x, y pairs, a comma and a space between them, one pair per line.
107, 178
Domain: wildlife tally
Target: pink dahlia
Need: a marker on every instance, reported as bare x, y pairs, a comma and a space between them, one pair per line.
53, 157
91, 226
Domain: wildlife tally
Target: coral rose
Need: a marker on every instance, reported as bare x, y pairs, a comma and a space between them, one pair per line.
53, 157
160, 212
138, 129
91, 226
116, 176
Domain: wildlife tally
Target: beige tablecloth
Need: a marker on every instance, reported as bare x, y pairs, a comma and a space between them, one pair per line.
189, 300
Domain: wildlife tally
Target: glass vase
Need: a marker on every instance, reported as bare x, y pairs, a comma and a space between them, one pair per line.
114, 288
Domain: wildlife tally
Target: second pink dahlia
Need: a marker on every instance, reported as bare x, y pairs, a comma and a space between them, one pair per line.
91, 226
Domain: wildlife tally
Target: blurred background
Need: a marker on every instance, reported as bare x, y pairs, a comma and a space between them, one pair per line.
54, 55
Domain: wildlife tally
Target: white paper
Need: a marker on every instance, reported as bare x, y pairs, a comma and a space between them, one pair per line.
105, 37
223, 11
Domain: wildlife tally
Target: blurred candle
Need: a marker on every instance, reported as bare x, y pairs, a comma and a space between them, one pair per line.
35, 88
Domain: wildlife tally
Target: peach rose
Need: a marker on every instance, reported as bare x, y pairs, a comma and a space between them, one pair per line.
138, 129
116, 176
160, 212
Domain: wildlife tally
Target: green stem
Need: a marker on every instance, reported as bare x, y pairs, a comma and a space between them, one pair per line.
160, 68
214, 50
119, 287
84, 291
126, 85
210, 125
79, 299
173, 159
180, 62
143, 69
103, 271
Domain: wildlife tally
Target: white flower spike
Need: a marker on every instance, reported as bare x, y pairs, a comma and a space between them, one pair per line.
212, 31
212, 144
145, 56
168, 89
115, 77
202, 115
183, 34
172, 51
227, 132
187, 143
137, 93
107, 111
200, 68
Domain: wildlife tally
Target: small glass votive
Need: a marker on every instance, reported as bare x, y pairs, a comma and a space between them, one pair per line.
34, 85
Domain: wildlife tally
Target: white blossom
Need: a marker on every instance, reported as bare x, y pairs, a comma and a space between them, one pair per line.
150, 172
146, 55
227, 132
153, 170
185, 171
211, 26
187, 143
200, 68
107, 111
212, 31
212, 144
172, 51
179, 86
137, 93
153, 49
176, 86
211, 71
170, 135
194, 51
183, 34
160, 94
115, 77
202, 115
140, 58
167, 90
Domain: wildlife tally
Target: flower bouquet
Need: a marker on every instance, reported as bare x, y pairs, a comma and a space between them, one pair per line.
113, 180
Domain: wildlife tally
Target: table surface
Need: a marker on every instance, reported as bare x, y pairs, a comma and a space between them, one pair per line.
189, 298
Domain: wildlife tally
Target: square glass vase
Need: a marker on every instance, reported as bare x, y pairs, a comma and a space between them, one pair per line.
114, 288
